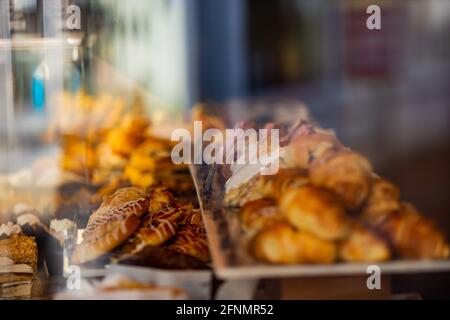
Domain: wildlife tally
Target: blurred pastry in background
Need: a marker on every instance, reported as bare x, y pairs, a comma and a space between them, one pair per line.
78, 156
121, 287
124, 139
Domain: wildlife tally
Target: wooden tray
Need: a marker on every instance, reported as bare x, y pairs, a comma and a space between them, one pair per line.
231, 260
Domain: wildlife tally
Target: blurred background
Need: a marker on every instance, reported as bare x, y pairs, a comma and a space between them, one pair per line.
385, 92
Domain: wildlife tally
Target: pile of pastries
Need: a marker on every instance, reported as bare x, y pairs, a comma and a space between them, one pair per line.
134, 223
326, 204
108, 145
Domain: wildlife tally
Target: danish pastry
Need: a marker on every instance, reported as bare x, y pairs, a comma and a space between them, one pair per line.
114, 222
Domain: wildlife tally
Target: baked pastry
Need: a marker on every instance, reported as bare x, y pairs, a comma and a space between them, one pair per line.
116, 286
384, 199
191, 239
160, 198
16, 246
317, 211
346, 173
120, 284
413, 235
150, 162
259, 214
49, 243
282, 244
78, 156
363, 245
305, 148
266, 186
159, 227
126, 138
191, 243
114, 222
15, 279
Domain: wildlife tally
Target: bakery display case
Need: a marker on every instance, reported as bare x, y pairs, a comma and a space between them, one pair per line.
188, 150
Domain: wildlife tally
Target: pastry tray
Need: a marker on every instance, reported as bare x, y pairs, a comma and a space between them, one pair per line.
232, 262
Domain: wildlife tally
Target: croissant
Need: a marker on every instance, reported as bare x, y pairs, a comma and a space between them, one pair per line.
363, 245
413, 235
272, 186
256, 215
346, 173
383, 200
282, 244
304, 149
317, 211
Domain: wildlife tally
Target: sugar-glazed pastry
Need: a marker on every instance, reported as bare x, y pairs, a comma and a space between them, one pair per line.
114, 222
